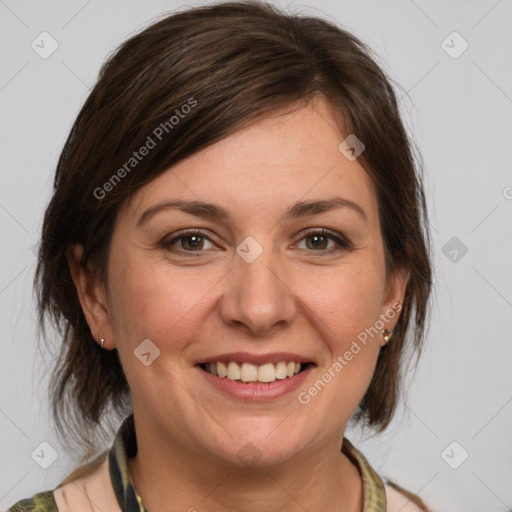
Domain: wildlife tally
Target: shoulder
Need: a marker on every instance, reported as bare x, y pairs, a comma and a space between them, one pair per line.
75, 492
400, 500
41, 502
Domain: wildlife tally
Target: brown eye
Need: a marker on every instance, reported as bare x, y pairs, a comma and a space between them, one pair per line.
187, 242
317, 241
322, 240
192, 242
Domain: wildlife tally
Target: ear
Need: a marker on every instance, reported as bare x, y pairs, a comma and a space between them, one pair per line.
92, 296
394, 296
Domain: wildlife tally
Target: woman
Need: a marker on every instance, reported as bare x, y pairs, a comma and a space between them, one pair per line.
234, 251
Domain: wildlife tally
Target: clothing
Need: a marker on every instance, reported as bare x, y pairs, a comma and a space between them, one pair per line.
109, 487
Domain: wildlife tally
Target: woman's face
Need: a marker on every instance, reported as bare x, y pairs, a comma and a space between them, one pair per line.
222, 259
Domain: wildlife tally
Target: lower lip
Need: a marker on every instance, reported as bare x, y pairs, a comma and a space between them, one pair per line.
256, 391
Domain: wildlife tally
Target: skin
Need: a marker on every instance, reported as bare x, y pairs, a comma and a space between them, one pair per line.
295, 297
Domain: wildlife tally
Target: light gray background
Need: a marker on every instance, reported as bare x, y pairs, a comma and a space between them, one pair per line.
460, 113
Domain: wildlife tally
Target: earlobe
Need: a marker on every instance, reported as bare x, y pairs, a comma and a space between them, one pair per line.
91, 294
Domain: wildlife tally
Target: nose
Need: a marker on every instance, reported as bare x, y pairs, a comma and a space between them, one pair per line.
258, 297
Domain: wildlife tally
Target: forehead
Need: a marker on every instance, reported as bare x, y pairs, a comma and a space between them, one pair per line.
288, 155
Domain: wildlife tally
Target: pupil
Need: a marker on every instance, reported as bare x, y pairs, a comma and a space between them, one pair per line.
193, 241
317, 241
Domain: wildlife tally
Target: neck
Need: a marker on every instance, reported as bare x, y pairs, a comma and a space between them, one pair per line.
165, 473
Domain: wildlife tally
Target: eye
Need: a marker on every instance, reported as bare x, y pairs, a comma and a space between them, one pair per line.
190, 241
319, 240
323, 240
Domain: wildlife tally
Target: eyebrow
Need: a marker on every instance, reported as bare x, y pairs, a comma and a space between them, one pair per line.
215, 212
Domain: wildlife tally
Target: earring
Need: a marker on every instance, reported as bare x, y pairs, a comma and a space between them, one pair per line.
102, 341
387, 335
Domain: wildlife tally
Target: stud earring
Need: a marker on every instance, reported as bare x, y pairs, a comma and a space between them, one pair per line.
387, 335
102, 341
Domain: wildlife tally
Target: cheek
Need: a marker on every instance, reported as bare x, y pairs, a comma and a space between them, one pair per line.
343, 311
345, 302
155, 301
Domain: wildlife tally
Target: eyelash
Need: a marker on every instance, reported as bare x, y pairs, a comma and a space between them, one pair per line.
343, 243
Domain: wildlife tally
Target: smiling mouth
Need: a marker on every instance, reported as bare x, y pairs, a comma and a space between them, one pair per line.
247, 372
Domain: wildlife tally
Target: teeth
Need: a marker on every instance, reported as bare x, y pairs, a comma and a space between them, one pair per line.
267, 373
281, 372
247, 372
233, 371
222, 369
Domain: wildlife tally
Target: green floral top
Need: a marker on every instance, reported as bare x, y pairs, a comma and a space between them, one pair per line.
125, 446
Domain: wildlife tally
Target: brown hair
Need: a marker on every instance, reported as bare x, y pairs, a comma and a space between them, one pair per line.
230, 63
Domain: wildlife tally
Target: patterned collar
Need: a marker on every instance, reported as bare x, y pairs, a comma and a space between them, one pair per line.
125, 447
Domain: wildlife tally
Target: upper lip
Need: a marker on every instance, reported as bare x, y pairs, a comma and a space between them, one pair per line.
256, 359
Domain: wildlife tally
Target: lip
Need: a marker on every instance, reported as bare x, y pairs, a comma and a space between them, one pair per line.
256, 359
256, 391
